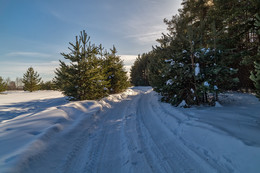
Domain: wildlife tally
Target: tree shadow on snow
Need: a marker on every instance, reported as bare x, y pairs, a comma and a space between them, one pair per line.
28, 108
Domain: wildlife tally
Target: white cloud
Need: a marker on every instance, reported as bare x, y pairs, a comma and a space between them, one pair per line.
147, 25
128, 59
17, 69
46, 69
145, 31
146, 38
28, 54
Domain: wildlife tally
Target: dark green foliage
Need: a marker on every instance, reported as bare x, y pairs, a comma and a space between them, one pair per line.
198, 83
3, 85
84, 77
139, 71
115, 73
256, 79
49, 85
31, 80
87, 75
220, 37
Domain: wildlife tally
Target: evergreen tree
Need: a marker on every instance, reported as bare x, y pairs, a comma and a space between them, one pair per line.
84, 78
190, 63
139, 71
115, 73
209, 48
31, 80
256, 77
3, 85
49, 85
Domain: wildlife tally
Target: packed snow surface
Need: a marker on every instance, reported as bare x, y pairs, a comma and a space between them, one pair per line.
127, 132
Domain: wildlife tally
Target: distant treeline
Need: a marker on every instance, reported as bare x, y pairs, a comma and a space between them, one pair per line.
211, 46
18, 84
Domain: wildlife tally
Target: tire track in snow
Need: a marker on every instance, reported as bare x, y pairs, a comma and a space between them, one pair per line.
114, 151
202, 153
80, 144
163, 151
131, 136
135, 160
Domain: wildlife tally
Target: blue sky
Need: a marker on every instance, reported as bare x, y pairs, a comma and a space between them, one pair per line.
35, 32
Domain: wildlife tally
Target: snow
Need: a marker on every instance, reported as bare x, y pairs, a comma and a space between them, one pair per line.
206, 84
218, 105
197, 54
128, 132
181, 64
168, 60
182, 104
169, 82
205, 51
110, 77
197, 69
172, 62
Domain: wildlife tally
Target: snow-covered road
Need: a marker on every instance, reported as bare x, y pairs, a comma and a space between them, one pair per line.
133, 132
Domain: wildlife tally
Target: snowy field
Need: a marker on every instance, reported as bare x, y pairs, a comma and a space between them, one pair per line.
128, 132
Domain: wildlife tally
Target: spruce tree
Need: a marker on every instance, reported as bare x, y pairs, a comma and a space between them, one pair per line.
83, 78
191, 65
139, 71
115, 73
3, 85
256, 77
31, 80
49, 85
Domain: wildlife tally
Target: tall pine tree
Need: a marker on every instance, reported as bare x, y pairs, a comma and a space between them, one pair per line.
139, 71
256, 77
190, 64
84, 78
31, 80
115, 72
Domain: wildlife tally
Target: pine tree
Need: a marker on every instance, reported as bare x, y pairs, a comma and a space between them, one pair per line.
31, 80
3, 85
49, 85
84, 78
115, 73
139, 71
194, 68
256, 77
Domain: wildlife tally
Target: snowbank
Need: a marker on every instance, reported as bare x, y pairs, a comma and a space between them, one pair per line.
29, 121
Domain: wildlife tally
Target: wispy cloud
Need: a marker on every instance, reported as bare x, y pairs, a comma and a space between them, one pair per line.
128, 61
146, 38
17, 69
29, 54
147, 25
46, 70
